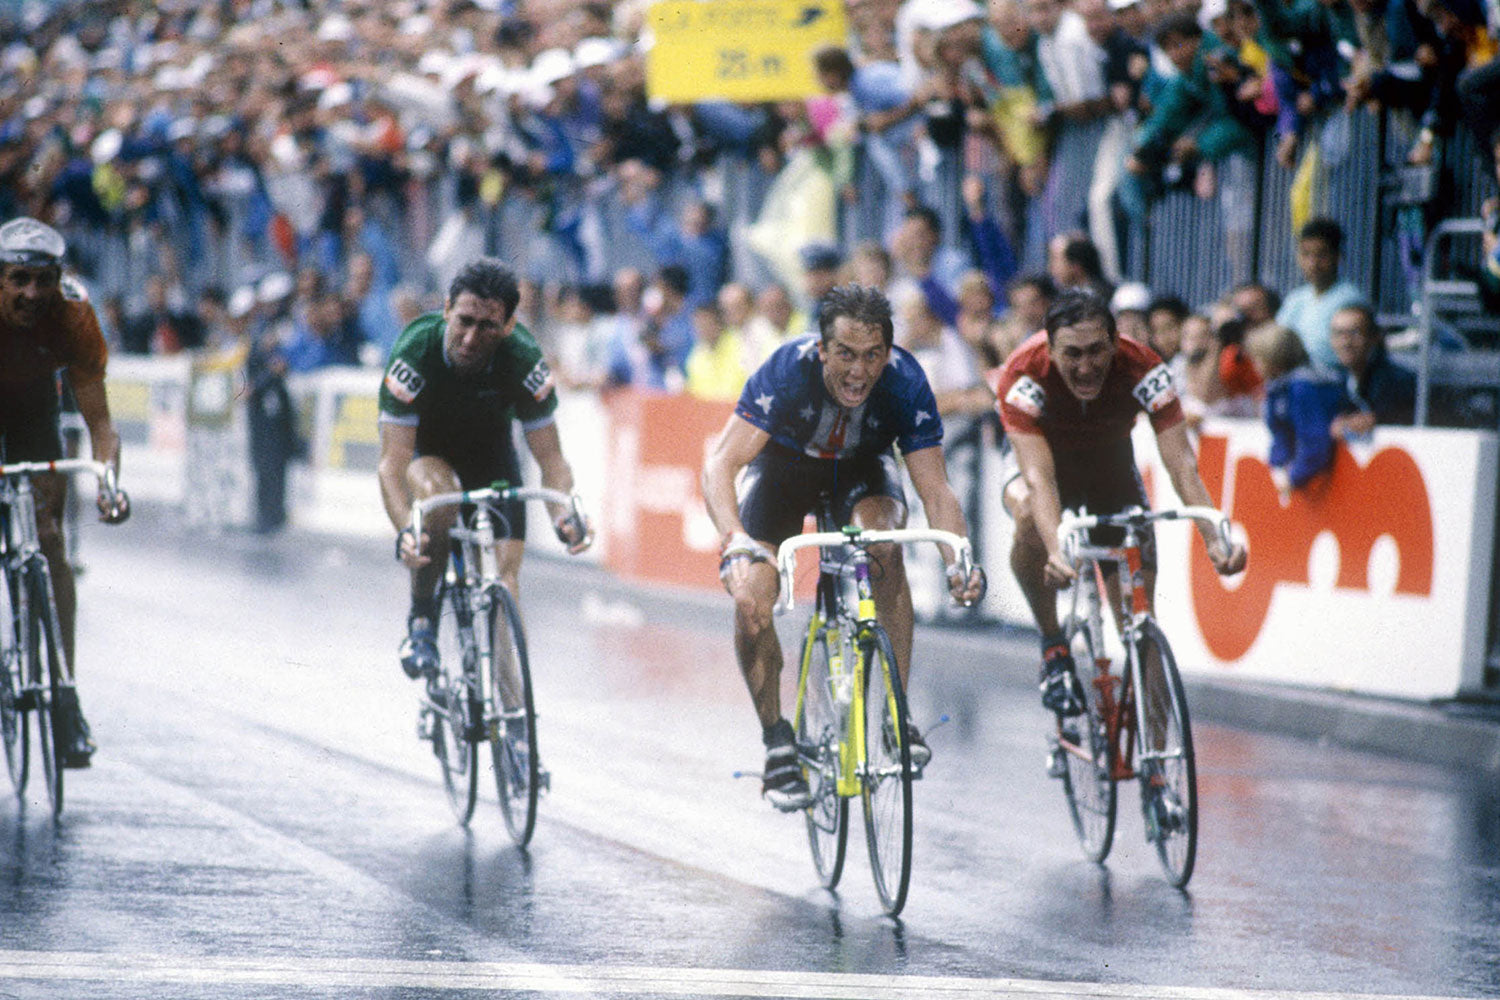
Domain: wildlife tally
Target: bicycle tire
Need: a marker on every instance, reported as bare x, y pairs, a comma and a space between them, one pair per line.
1088, 782
886, 788
458, 756
15, 726
46, 669
1170, 808
818, 728
514, 753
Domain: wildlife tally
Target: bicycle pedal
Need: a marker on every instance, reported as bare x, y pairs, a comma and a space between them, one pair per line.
1057, 764
426, 724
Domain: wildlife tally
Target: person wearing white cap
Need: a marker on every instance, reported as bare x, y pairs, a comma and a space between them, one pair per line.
47, 324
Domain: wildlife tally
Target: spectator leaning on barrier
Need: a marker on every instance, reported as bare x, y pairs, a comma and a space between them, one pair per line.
1383, 391
1309, 308
1302, 401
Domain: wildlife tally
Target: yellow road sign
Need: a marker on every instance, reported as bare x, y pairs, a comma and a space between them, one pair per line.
739, 50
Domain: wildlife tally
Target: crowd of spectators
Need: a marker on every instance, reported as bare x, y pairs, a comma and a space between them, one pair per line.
301, 177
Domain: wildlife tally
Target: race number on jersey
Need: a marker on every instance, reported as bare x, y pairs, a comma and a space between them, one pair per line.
403, 381
539, 381
1155, 390
1027, 396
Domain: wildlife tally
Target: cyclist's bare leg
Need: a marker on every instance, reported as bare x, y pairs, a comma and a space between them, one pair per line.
508, 552
50, 492
888, 576
428, 476
756, 645
1028, 559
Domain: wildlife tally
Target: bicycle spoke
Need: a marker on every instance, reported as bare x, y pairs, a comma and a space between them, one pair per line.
1087, 779
887, 774
14, 717
519, 776
1167, 767
457, 755
819, 725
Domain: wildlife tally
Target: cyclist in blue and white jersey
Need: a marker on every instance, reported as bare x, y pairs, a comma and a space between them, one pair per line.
821, 416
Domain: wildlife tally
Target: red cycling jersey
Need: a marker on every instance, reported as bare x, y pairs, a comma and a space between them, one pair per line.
1032, 398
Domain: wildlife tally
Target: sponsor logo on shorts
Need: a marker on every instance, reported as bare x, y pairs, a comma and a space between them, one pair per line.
403, 381
539, 382
1155, 391
1027, 396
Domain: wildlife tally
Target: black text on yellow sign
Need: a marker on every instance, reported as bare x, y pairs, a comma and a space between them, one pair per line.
739, 50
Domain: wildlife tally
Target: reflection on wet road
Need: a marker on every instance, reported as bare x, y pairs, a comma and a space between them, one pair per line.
262, 821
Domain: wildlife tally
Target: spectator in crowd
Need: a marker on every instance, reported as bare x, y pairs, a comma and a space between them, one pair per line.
1130, 303
319, 336
1074, 264
871, 266
653, 357
1302, 401
1489, 266
160, 327
922, 260
1126, 63
948, 362
820, 273
716, 366
1309, 308
694, 242
976, 315
1256, 304
776, 319
1164, 317
579, 341
1382, 391
737, 307
1073, 64
368, 309
1303, 39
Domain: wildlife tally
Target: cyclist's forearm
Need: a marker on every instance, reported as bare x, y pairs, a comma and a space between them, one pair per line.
93, 406
395, 496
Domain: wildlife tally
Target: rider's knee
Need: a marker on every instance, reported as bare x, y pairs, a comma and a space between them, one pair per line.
752, 614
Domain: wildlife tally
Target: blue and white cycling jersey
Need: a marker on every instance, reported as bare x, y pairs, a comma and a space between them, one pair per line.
787, 399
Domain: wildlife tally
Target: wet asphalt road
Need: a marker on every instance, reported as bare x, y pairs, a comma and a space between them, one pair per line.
262, 821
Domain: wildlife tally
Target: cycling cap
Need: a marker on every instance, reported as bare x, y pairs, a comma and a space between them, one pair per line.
27, 241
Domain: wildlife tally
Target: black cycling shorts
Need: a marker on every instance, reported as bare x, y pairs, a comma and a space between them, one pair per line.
780, 487
28, 422
477, 468
1105, 481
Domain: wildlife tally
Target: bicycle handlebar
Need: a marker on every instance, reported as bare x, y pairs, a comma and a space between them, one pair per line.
1073, 523
498, 493
104, 472
786, 555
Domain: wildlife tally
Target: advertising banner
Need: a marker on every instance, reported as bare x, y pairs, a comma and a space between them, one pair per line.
1372, 578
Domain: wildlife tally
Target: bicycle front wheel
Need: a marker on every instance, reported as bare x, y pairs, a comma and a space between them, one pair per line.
819, 728
44, 674
1168, 770
450, 704
14, 727
887, 773
513, 742
1083, 740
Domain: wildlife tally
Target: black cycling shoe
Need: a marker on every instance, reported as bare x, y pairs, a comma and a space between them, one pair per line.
1061, 691
917, 747
75, 743
419, 655
782, 783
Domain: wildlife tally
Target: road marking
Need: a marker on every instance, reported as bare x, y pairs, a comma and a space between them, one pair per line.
620, 980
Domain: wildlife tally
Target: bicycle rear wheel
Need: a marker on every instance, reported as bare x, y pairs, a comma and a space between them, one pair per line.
818, 739
887, 776
1088, 778
46, 668
15, 728
513, 747
450, 702
1168, 770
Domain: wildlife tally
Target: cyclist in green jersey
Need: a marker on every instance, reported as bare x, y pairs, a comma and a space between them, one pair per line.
454, 383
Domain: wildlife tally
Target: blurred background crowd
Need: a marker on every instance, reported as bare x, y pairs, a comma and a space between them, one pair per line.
295, 181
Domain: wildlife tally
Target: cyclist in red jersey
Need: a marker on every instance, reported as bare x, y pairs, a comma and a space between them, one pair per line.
1068, 398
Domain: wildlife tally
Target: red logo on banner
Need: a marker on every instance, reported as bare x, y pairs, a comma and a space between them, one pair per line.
1357, 505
